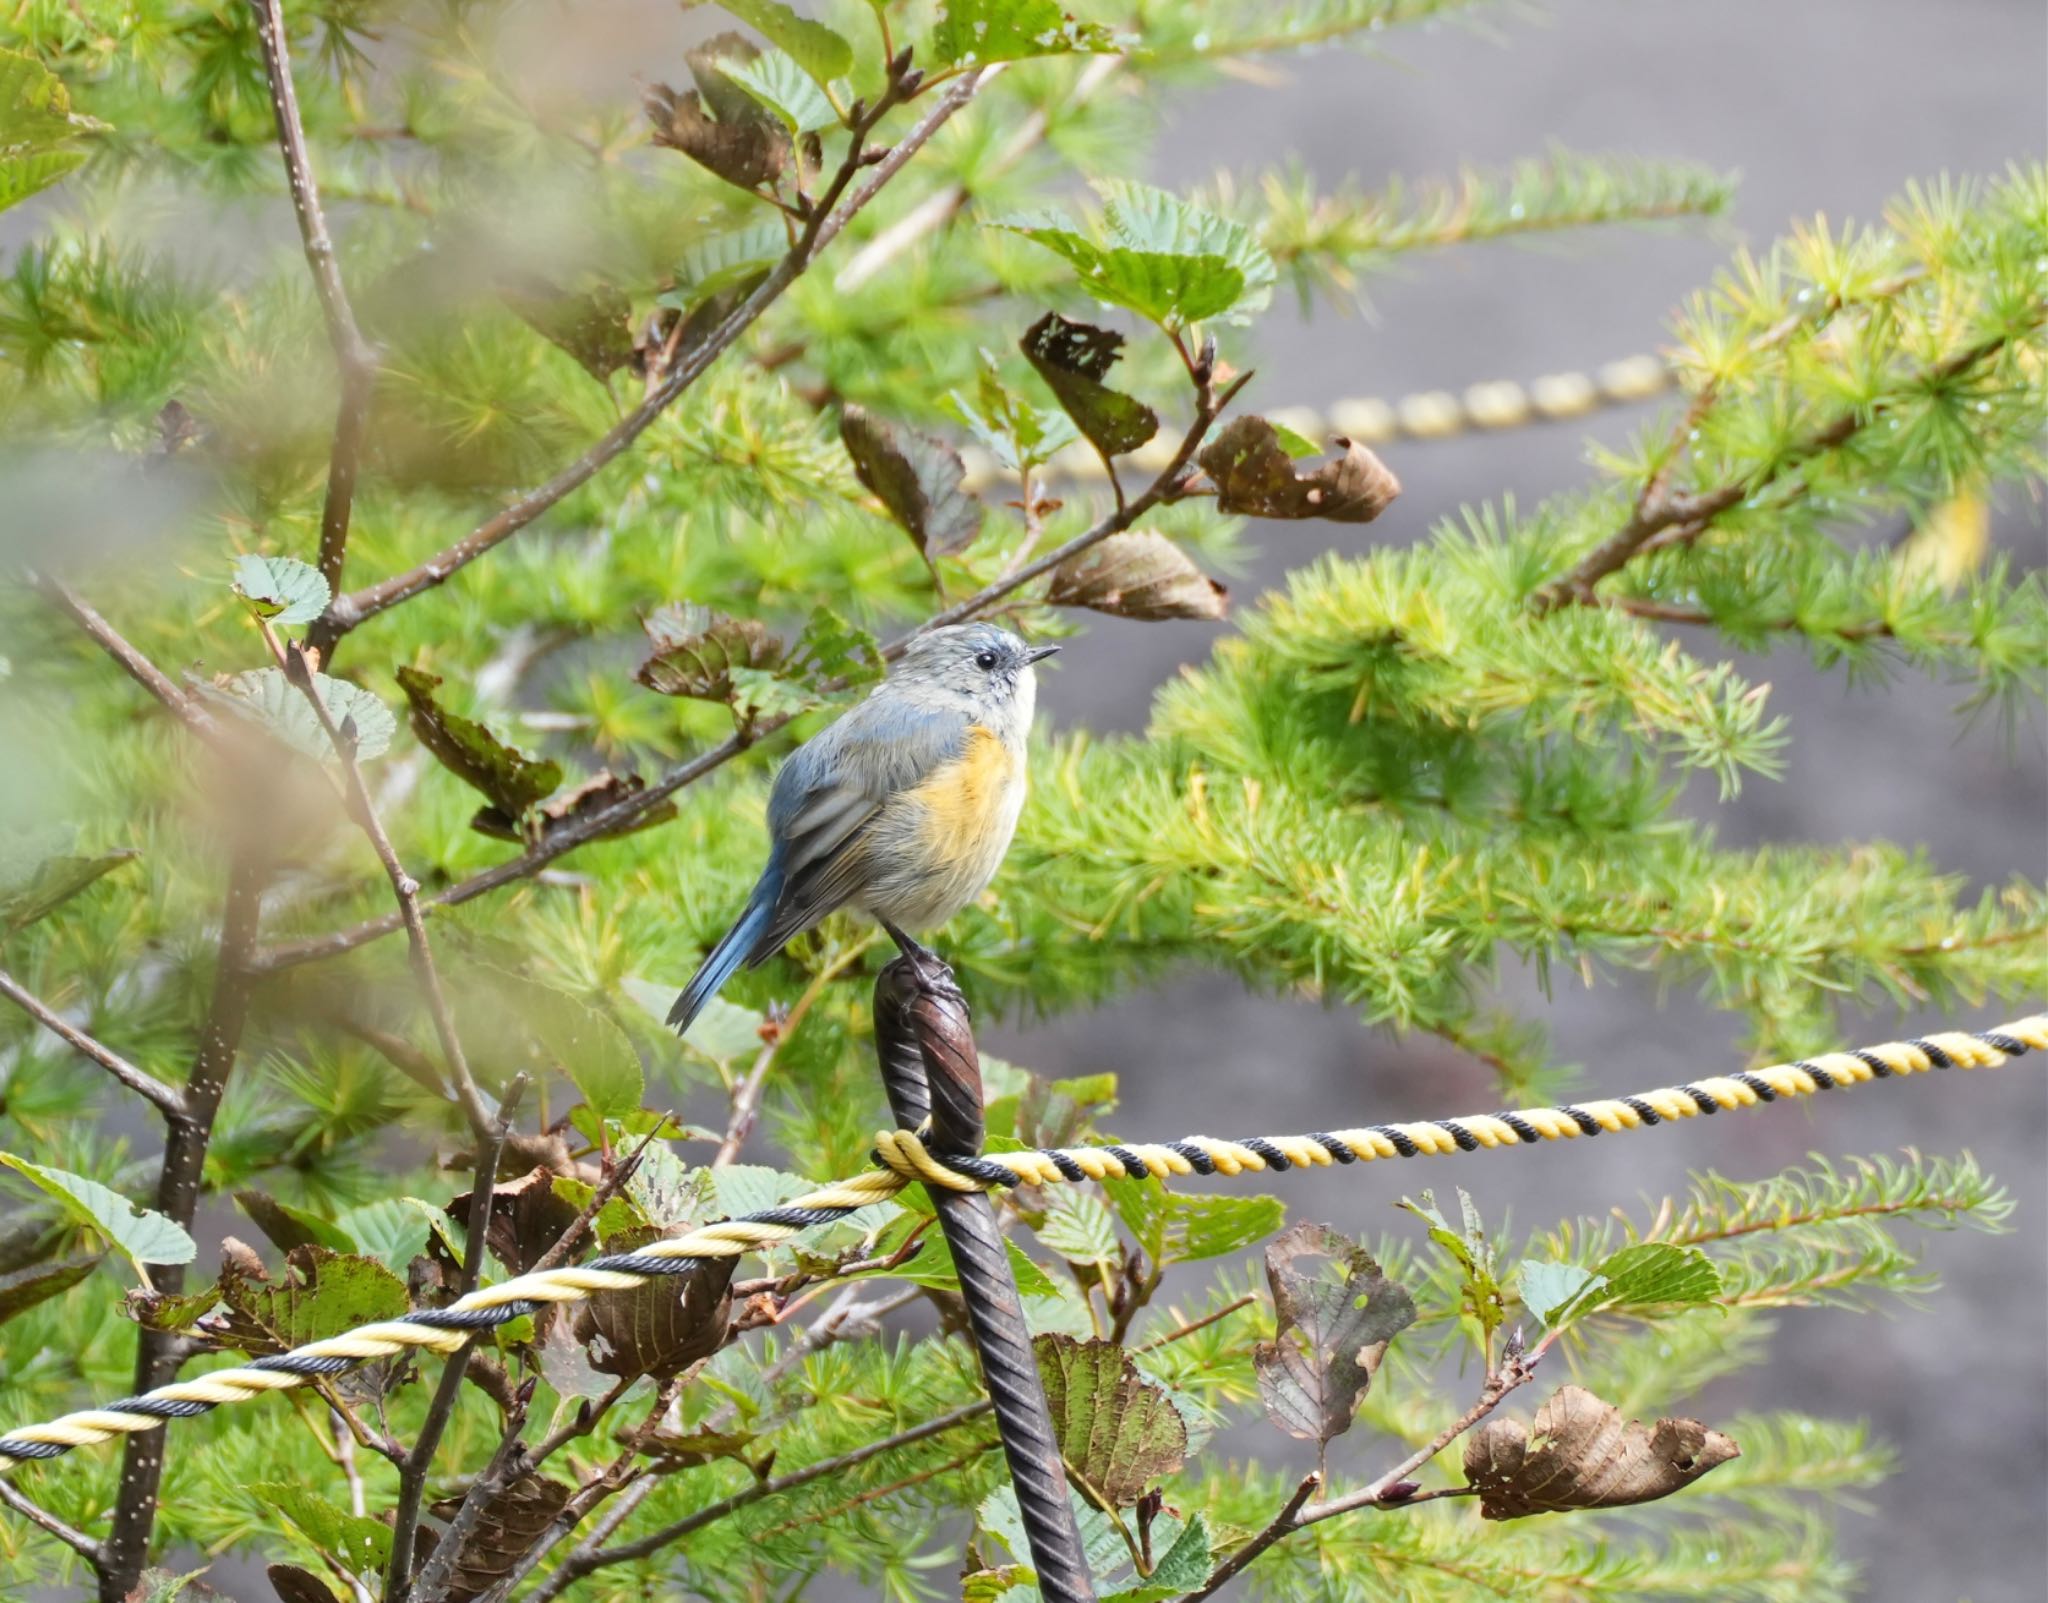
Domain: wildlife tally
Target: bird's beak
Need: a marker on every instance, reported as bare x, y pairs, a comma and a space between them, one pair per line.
1039, 654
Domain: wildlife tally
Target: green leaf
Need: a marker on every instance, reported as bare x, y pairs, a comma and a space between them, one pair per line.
751, 1188
507, 778
832, 651
932, 1265
36, 127
264, 697
1174, 1227
919, 480
140, 1236
724, 262
359, 1545
1547, 1287
778, 82
1073, 359
510, 1022
978, 32
283, 589
722, 1034
1335, 1312
619, 1214
156, 1585
1017, 435
289, 1227
1160, 257
820, 51
1651, 1274
26, 1288
322, 1294
1119, 1432
37, 876
388, 1230
1079, 1228
1469, 1249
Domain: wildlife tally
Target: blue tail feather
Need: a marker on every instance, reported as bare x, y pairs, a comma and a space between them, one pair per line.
727, 955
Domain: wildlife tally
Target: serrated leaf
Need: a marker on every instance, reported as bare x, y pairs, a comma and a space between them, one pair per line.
508, 1525
1101, 1546
662, 1327
1652, 1274
919, 480
322, 1294
751, 1188
1469, 1248
1119, 1432
619, 1214
725, 262
781, 85
36, 879
1335, 1312
1184, 1567
267, 699
671, 1193
1546, 1288
139, 1235
37, 125
1073, 358
389, 1230
361, 1546
283, 589
1580, 1452
1079, 1228
1255, 476
1139, 574
509, 779
1177, 1227
27, 1288
289, 1227
692, 651
981, 31
832, 651
1016, 434
819, 50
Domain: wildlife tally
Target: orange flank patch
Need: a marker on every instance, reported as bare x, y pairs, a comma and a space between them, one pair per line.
963, 801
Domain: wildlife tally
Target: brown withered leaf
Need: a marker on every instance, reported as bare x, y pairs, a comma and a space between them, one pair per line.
294, 1585
1116, 1429
595, 327
573, 805
1073, 358
718, 125
692, 651
1254, 475
1137, 575
1581, 1453
506, 1529
1335, 1313
919, 479
526, 1218
660, 1328
511, 780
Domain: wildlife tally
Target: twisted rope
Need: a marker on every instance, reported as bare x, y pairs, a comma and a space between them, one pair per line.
902, 1159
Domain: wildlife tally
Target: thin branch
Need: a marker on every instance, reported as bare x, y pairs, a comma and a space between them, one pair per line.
109, 639
37, 1515
507, 1465
592, 826
412, 1474
606, 1188
1280, 1525
746, 1097
168, 1099
352, 353
828, 218
292, 660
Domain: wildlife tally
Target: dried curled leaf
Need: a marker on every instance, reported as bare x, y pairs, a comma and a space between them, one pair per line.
1137, 575
527, 1218
692, 651
1073, 359
576, 804
511, 780
294, 1585
1336, 1313
660, 1328
1254, 475
1117, 1431
1581, 1453
506, 1529
919, 479
596, 327
718, 125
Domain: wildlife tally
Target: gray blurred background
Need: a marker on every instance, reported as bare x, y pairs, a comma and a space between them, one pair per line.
1823, 106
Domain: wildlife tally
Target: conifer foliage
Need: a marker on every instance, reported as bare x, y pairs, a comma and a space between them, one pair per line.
410, 615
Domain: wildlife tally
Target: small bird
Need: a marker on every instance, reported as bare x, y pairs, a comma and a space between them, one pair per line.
902, 809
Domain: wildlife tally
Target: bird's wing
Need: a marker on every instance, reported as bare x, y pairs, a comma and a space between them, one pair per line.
831, 789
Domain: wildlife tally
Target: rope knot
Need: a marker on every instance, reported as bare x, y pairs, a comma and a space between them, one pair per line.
904, 1154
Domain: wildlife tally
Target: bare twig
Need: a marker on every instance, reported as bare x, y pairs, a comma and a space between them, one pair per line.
507, 1464
109, 639
606, 1188
167, 1098
353, 354
1280, 1525
36, 1514
746, 1097
828, 218
412, 1474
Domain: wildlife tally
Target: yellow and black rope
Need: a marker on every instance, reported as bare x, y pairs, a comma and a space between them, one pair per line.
902, 1159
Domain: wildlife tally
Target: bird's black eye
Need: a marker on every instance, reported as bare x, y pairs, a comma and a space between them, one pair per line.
985, 660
